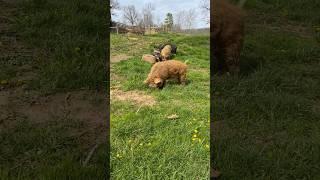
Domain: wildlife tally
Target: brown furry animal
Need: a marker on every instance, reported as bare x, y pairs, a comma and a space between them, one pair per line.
157, 55
166, 53
164, 70
228, 35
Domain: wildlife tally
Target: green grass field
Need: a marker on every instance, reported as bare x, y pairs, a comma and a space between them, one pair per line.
53, 89
266, 123
145, 144
71, 37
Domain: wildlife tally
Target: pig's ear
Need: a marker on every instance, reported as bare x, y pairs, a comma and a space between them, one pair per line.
157, 81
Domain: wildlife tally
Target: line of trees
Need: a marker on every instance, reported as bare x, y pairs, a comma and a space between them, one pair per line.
184, 19
132, 17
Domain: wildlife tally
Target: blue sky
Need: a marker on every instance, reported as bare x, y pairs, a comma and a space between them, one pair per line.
162, 7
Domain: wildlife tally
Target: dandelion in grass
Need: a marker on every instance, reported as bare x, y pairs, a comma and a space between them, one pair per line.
119, 156
77, 49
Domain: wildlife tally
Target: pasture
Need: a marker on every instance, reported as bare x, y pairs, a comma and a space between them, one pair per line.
145, 142
266, 122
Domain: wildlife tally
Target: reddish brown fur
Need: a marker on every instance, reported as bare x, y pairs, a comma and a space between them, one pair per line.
164, 70
228, 34
166, 52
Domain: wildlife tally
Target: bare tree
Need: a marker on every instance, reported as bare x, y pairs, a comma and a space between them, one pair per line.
190, 18
147, 14
180, 20
205, 7
130, 14
140, 21
114, 5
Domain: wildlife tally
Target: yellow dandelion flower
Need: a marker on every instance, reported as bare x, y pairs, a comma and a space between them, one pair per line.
196, 131
194, 136
118, 155
193, 139
207, 146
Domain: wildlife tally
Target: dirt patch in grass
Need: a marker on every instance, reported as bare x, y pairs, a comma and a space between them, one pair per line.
116, 77
78, 120
118, 58
82, 106
136, 97
78, 105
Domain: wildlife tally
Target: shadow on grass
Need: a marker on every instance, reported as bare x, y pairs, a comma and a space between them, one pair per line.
250, 63
169, 83
176, 83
